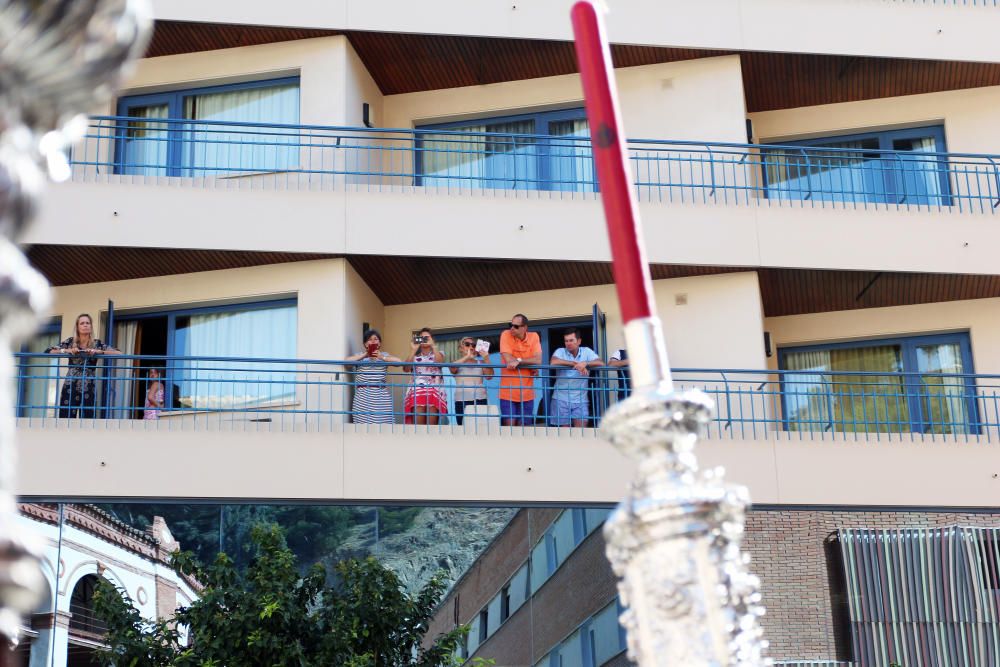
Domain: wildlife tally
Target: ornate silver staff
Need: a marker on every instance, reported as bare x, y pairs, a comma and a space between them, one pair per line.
675, 540
58, 58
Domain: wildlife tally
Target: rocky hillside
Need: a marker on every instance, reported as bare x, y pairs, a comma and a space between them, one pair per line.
447, 539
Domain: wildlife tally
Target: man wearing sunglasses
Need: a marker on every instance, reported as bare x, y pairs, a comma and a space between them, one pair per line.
518, 348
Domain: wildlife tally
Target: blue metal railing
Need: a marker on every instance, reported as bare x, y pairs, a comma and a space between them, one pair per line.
311, 395
266, 156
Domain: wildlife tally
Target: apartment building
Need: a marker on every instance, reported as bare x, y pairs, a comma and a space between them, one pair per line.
819, 197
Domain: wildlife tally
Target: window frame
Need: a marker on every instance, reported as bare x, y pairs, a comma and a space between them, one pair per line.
174, 99
51, 326
171, 315
908, 356
885, 139
543, 166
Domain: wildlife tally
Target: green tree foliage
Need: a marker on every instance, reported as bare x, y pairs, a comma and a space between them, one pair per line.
272, 615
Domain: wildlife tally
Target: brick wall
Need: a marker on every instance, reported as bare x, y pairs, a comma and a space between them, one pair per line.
787, 548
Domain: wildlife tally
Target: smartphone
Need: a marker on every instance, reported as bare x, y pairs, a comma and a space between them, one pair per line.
372, 349
482, 346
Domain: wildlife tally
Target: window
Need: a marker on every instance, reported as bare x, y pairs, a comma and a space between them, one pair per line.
891, 167
917, 384
262, 330
210, 131
537, 151
37, 384
484, 622
83, 620
505, 603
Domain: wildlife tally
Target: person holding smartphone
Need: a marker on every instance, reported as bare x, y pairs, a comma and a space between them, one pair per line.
469, 387
425, 398
372, 398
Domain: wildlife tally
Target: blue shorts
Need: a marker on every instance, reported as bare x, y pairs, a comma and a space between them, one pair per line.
564, 412
517, 413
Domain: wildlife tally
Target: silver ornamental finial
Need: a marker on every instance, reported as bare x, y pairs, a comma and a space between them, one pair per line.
58, 59
674, 542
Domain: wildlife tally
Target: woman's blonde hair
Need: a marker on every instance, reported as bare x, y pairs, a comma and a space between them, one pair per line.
76, 326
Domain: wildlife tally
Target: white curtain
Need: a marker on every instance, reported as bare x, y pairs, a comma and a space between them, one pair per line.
571, 163
145, 151
477, 160
848, 176
264, 334
217, 150
945, 400
123, 394
807, 399
919, 174
37, 378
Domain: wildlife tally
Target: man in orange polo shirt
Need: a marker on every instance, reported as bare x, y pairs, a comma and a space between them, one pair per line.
518, 348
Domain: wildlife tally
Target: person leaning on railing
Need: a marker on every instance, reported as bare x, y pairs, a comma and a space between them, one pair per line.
425, 400
469, 387
78, 395
372, 398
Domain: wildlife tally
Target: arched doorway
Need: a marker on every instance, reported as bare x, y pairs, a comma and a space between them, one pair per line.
86, 630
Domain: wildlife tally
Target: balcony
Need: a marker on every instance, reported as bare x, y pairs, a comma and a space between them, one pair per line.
251, 156
289, 396
154, 183
229, 425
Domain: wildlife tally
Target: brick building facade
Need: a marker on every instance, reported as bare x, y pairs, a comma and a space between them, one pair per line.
792, 551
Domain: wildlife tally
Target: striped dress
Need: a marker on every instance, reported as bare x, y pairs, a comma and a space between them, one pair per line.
372, 400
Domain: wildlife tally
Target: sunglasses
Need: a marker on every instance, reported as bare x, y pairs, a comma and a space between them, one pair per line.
468, 344
517, 326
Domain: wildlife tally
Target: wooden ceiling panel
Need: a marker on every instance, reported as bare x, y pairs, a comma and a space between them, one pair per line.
404, 63
74, 265
401, 280
173, 37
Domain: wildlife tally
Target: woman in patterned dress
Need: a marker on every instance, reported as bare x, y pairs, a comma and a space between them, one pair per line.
372, 398
154, 396
425, 398
79, 394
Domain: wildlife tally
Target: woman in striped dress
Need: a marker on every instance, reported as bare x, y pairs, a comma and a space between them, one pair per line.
372, 398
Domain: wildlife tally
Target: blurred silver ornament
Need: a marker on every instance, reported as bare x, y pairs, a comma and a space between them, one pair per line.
58, 59
674, 541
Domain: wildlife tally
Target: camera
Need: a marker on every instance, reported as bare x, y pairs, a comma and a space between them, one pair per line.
419, 340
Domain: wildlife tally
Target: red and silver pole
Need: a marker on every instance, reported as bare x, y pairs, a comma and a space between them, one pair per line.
675, 540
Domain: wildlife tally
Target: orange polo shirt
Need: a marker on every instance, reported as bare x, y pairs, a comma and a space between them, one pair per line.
516, 385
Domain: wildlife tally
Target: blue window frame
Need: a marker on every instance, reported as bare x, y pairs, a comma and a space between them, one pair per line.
914, 384
37, 386
261, 329
159, 143
890, 167
531, 151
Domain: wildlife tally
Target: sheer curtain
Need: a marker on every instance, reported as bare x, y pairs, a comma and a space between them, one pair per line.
944, 400
145, 145
918, 179
849, 176
828, 400
571, 161
483, 158
123, 394
807, 398
215, 150
264, 334
38, 386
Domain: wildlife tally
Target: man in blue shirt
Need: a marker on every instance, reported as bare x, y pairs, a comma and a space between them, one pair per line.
570, 399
